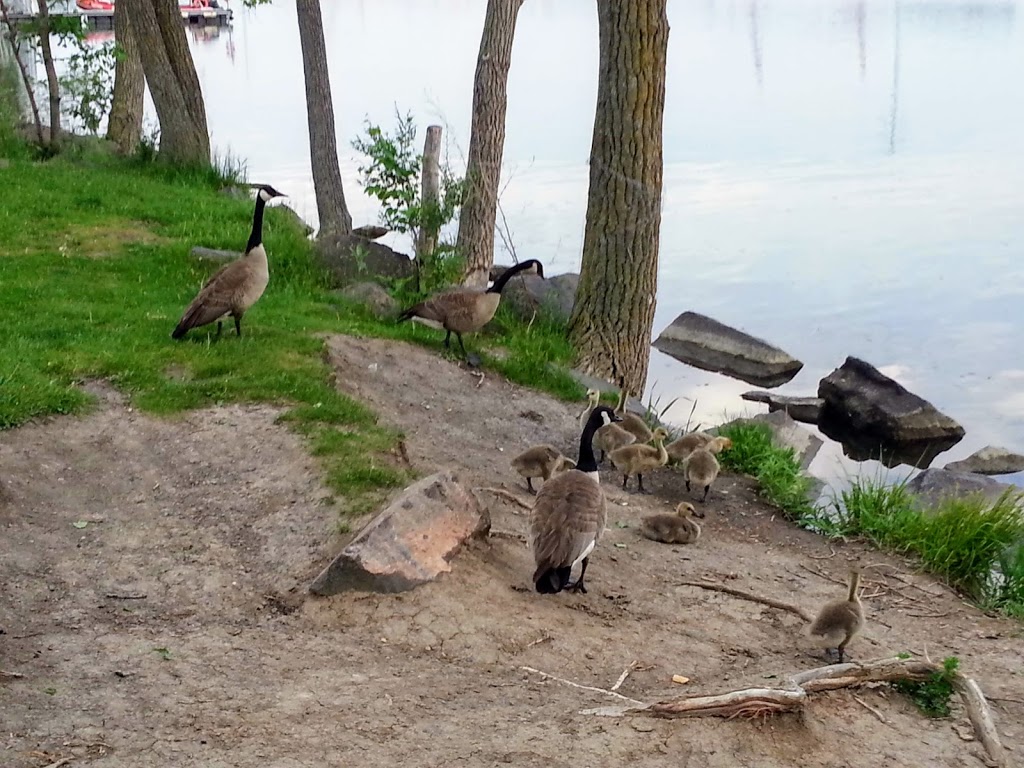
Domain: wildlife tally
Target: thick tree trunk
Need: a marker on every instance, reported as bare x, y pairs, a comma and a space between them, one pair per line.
124, 127
51, 72
611, 321
323, 143
486, 141
430, 193
184, 137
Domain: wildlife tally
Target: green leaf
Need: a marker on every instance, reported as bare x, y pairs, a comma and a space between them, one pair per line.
80, 523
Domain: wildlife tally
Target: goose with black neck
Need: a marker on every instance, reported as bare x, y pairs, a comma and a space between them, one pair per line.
466, 310
236, 286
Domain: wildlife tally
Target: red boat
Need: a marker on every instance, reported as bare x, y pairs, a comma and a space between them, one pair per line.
184, 5
95, 5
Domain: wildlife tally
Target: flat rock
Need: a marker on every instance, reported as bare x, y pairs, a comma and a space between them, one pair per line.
372, 296
410, 542
873, 416
354, 259
370, 231
554, 296
805, 409
214, 254
786, 433
990, 460
705, 343
932, 486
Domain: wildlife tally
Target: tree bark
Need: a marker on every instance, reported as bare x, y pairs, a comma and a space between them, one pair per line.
53, 85
430, 192
173, 83
610, 325
124, 127
323, 143
12, 36
486, 141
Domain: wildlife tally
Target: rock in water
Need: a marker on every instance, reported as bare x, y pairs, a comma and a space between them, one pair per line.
990, 460
933, 486
705, 343
410, 542
805, 409
874, 416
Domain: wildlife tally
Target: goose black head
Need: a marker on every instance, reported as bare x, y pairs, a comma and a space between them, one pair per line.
268, 193
601, 416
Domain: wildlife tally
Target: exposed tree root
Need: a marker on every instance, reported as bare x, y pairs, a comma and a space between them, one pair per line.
749, 596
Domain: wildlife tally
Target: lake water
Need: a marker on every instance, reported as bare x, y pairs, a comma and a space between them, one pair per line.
841, 177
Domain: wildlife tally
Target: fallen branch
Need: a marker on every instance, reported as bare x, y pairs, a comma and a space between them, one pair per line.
749, 596
15, 675
623, 676
562, 680
501, 493
869, 708
126, 596
981, 717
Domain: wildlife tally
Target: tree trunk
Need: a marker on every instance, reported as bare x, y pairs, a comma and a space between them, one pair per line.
486, 141
173, 83
611, 321
124, 127
430, 193
323, 143
26, 80
51, 72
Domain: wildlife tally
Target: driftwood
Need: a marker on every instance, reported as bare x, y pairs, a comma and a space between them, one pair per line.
753, 702
749, 596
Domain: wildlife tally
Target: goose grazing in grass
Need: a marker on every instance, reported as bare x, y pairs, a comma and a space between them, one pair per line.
673, 529
237, 285
569, 516
541, 461
466, 310
637, 459
838, 622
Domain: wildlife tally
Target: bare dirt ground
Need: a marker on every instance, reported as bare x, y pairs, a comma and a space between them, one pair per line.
174, 628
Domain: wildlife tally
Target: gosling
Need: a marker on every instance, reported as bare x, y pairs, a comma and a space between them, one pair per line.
611, 437
593, 398
637, 459
701, 470
673, 529
679, 450
838, 622
541, 461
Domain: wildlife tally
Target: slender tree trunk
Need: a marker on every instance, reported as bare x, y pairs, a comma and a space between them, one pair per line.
12, 36
430, 193
163, 48
124, 127
486, 141
611, 321
323, 143
51, 72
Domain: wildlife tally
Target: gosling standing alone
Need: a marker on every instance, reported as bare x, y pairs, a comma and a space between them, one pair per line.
569, 516
673, 529
540, 461
236, 286
838, 622
465, 310
701, 469
637, 459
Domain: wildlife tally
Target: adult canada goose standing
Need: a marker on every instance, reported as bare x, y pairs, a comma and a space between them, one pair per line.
838, 622
466, 310
569, 516
237, 285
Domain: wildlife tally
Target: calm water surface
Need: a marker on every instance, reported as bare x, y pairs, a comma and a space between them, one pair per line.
841, 177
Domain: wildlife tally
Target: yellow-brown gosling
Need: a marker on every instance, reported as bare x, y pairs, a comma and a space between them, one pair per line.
701, 470
466, 310
839, 621
630, 421
593, 398
637, 459
673, 529
541, 461
612, 436
569, 516
237, 285
679, 450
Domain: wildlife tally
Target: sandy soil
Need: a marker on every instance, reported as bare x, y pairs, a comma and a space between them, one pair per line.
174, 629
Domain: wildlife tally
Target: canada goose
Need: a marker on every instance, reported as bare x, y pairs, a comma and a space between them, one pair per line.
465, 310
593, 398
679, 449
630, 421
701, 469
673, 529
838, 622
569, 516
237, 285
637, 459
540, 461
612, 436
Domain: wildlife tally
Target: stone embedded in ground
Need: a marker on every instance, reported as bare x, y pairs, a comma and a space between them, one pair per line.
786, 433
373, 296
370, 231
874, 416
214, 254
528, 294
990, 460
705, 343
410, 542
932, 486
353, 259
805, 409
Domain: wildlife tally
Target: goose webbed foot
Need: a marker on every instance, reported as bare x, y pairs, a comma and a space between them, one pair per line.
640, 484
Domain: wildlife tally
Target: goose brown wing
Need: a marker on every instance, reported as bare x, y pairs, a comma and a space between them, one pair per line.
215, 298
568, 518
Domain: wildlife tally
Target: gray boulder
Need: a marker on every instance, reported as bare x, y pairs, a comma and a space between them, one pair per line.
372, 296
932, 486
555, 295
410, 542
353, 259
705, 343
805, 409
786, 433
990, 460
875, 417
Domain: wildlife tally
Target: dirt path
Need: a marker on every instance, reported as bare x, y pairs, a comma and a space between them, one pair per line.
202, 532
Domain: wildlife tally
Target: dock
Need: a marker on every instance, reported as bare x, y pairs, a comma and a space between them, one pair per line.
104, 20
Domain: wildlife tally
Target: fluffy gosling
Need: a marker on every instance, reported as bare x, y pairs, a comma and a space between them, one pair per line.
673, 529
541, 461
637, 459
838, 622
701, 470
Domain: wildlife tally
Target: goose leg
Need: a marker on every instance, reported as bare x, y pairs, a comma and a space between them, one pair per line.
577, 586
687, 485
473, 361
220, 327
448, 340
238, 326
706, 489
625, 478
640, 482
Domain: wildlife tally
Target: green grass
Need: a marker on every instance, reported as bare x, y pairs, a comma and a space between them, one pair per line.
11, 146
932, 696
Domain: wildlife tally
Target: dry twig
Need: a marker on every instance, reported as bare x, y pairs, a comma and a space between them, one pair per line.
869, 708
832, 553
623, 676
562, 680
748, 596
501, 493
15, 675
126, 596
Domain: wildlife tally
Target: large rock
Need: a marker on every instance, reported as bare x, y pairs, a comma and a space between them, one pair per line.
786, 433
527, 294
990, 460
353, 259
932, 486
705, 343
410, 542
875, 417
371, 295
805, 409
